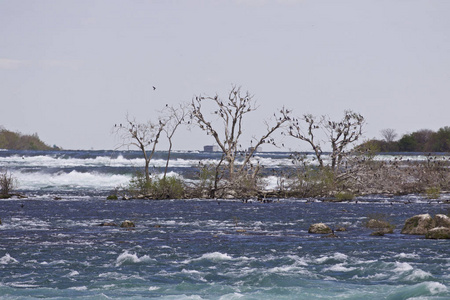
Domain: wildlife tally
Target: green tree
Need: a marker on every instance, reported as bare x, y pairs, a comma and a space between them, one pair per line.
442, 140
407, 143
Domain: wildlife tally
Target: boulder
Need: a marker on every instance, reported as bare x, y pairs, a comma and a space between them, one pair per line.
438, 233
127, 224
319, 228
341, 229
419, 224
441, 221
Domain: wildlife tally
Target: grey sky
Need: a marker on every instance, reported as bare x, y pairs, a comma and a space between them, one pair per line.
70, 70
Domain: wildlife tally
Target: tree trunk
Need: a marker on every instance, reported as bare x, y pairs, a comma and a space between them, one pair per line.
168, 158
146, 170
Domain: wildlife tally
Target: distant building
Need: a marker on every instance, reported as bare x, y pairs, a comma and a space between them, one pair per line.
210, 148
258, 149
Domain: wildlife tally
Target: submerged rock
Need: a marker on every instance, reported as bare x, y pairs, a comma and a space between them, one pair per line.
107, 224
438, 233
127, 224
341, 229
382, 231
320, 228
331, 235
419, 224
378, 233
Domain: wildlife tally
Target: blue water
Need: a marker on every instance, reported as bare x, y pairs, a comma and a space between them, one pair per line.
204, 249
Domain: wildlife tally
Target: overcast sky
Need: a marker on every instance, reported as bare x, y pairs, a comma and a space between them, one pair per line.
70, 70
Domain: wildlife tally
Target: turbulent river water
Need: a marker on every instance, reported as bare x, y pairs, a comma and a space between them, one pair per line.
52, 247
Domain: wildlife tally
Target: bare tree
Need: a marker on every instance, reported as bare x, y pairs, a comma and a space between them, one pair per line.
174, 117
144, 136
310, 136
339, 134
388, 134
230, 113
7, 184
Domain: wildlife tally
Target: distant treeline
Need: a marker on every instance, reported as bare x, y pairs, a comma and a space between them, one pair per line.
17, 141
423, 140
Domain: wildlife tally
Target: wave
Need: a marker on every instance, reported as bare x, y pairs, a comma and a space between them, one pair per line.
127, 258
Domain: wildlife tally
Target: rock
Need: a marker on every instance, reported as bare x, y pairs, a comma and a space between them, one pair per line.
127, 224
319, 228
107, 224
112, 197
373, 223
438, 233
341, 229
382, 231
441, 221
419, 224
331, 235
378, 233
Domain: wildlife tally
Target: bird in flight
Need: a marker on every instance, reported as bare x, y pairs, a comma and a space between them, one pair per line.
154, 88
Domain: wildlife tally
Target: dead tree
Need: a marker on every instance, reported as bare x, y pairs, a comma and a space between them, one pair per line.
144, 136
230, 113
339, 134
388, 134
296, 131
173, 118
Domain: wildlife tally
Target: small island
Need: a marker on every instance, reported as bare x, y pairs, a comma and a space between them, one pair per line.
17, 141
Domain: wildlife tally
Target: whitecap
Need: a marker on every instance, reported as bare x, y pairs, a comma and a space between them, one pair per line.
184, 271
73, 273
402, 267
339, 268
8, 259
129, 258
407, 255
78, 288
337, 256
153, 288
23, 285
216, 256
418, 275
436, 287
